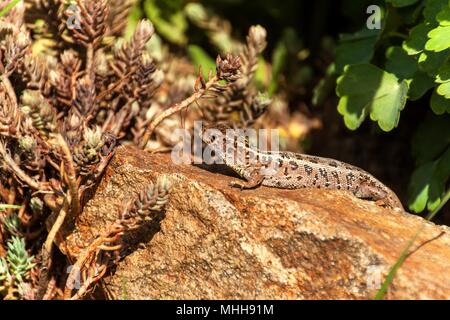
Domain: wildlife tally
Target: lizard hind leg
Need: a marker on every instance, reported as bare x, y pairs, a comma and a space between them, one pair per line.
254, 181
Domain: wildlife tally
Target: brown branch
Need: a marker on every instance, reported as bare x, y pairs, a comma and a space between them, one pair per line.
176, 108
57, 225
9, 90
46, 252
19, 172
90, 59
71, 175
83, 259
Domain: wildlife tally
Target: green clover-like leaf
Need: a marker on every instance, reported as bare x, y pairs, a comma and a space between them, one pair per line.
356, 48
432, 9
443, 78
400, 63
440, 36
430, 62
443, 17
428, 182
417, 39
419, 85
366, 89
439, 39
439, 104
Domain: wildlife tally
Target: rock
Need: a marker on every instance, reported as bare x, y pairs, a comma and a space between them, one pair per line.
216, 242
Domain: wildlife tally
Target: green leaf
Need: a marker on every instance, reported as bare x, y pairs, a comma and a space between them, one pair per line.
356, 48
439, 39
199, 57
419, 85
168, 18
431, 62
263, 75
325, 86
400, 63
417, 39
432, 8
365, 89
439, 104
428, 182
8, 7
279, 57
9, 206
444, 73
443, 17
443, 78
419, 187
405, 66
401, 3
444, 90
440, 36
133, 19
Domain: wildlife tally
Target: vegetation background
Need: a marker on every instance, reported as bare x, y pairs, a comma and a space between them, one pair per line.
376, 98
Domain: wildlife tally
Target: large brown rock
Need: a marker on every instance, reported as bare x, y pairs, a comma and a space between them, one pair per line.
216, 242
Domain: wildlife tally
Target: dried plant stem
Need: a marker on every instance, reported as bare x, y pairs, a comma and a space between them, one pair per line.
19, 172
47, 248
90, 252
9, 90
90, 59
115, 86
51, 290
176, 108
71, 175
57, 225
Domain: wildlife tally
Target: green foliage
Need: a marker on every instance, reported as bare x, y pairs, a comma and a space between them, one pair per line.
168, 18
365, 90
381, 70
12, 223
279, 56
200, 58
15, 267
9, 7
19, 261
356, 48
9, 206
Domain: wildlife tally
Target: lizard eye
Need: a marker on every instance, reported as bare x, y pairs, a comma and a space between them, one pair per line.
212, 138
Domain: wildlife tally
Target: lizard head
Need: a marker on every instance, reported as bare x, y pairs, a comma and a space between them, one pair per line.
213, 132
225, 141
214, 135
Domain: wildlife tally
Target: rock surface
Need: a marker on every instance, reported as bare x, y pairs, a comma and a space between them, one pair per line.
216, 242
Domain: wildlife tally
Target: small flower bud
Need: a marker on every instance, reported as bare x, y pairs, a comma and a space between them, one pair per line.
93, 138
228, 68
257, 38
27, 143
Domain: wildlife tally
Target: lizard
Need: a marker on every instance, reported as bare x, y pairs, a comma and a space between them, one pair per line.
289, 170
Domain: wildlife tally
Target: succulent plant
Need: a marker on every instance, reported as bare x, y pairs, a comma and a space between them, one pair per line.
71, 87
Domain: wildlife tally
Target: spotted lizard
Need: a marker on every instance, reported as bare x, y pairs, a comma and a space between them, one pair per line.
289, 170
